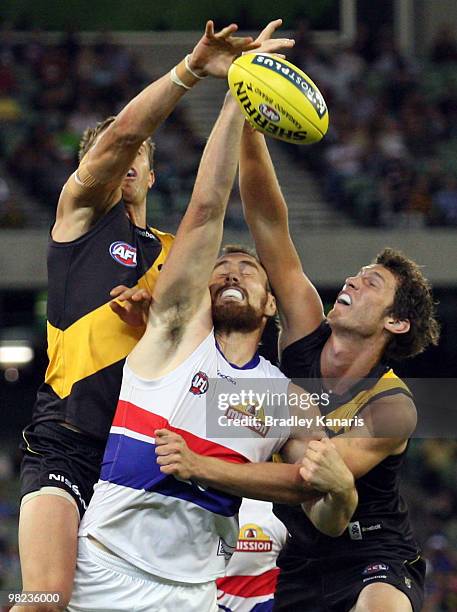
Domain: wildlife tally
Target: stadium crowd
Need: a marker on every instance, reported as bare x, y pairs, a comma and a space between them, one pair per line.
389, 157
49, 93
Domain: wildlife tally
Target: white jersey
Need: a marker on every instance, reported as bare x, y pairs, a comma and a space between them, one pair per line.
252, 572
170, 528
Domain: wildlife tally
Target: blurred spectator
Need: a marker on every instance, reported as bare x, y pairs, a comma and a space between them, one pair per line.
393, 129
444, 46
50, 93
10, 215
445, 201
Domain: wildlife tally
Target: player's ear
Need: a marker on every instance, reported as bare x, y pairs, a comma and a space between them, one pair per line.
397, 326
270, 306
152, 179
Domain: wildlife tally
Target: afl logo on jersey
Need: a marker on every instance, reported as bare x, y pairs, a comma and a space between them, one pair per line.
199, 384
123, 253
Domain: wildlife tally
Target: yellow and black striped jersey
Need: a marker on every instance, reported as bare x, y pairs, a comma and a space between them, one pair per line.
380, 524
87, 342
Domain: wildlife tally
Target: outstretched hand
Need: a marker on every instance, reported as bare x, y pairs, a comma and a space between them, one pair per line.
215, 52
272, 45
131, 304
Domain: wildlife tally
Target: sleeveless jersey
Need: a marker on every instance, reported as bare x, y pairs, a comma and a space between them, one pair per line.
173, 529
87, 342
251, 574
380, 524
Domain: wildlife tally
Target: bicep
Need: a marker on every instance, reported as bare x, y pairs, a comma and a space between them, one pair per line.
388, 423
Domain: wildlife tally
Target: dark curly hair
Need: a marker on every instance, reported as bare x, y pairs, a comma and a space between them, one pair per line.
90, 135
413, 301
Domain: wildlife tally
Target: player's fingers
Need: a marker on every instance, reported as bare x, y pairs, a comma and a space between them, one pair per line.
245, 44
169, 470
116, 307
308, 464
277, 43
209, 29
227, 31
118, 290
162, 436
127, 294
315, 445
269, 29
166, 449
141, 295
170, 459
304, 473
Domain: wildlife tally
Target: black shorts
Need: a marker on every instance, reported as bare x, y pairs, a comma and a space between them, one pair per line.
315, 586
55, 456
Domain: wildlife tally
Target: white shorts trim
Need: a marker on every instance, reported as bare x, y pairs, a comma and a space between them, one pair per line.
106, 583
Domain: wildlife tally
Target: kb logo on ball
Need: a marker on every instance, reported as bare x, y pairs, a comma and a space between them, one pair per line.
269, 113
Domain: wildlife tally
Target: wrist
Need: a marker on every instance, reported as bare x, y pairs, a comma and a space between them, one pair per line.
184, 76
194, 68
200, 468
343, 493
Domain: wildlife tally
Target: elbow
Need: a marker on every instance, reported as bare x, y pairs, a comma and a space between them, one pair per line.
334, 530
126, 131
203, 211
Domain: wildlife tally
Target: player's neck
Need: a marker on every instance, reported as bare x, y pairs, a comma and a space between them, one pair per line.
237, 347
350, 358
136, 212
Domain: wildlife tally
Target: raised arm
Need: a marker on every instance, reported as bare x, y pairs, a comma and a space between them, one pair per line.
95, 186
181, 294
265, 209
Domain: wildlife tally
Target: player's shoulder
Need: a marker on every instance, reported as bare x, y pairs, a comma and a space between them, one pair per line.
269, 369
389, 389
392, 414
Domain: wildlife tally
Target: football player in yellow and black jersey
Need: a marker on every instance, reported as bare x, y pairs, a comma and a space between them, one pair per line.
100, 241
384, 311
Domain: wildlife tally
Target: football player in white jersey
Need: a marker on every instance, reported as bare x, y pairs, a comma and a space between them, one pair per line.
149, 540
250, 581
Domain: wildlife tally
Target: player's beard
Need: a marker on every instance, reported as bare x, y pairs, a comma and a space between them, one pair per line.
235, 317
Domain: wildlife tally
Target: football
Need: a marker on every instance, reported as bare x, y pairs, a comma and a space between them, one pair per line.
278, 99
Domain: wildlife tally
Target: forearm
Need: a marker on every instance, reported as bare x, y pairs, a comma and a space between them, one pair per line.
259, 187
200, 233
219, 161
276, 482
331, 514
149, 109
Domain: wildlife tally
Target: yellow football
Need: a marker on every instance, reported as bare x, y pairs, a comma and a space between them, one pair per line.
278, 98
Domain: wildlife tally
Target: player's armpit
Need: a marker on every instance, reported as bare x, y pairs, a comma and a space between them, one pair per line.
388, 423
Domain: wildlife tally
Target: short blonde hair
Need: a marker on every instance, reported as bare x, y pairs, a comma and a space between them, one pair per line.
90, 136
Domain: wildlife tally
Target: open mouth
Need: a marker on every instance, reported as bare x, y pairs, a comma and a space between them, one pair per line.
344, 298
232, 293
132, 173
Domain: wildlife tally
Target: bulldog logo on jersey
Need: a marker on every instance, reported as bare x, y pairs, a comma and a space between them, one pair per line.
252, 539
123, 253
199, 384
